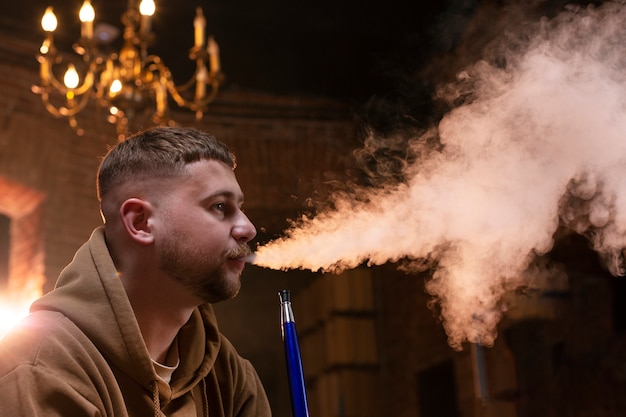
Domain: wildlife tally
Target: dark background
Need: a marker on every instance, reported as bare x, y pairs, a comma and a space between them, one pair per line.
348, 50
345, 49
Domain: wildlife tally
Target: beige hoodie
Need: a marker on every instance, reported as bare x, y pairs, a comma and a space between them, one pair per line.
80, 353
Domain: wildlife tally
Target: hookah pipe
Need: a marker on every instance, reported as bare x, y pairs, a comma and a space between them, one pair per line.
295, 375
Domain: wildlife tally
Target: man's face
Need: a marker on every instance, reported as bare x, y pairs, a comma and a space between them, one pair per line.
203, 234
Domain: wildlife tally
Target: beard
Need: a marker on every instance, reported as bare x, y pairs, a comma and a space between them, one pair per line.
208, 277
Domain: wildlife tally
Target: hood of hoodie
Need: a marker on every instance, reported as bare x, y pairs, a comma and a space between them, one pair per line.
90, 293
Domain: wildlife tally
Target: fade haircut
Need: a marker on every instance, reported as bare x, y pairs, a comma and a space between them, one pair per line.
158, 152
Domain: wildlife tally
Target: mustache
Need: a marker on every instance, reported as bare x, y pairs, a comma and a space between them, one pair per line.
241, 251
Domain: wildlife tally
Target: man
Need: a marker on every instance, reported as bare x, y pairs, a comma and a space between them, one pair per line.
129, 329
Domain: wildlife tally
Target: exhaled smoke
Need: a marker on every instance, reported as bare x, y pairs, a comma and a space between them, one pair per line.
539, 140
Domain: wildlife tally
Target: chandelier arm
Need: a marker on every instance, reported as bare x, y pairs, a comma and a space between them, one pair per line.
46, 102
215, 86
175, 92
156, 64
188, 84
63, 111
101, 87
53, 82
88, 81
193, 105
73, 110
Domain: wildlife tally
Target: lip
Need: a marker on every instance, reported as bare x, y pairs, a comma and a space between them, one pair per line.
239, 263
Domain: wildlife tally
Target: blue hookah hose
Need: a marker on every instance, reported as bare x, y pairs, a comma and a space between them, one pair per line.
295, 375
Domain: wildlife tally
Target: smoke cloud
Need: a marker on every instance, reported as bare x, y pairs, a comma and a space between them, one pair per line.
539, 141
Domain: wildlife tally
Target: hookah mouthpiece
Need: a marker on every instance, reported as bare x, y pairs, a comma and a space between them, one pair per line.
285, 296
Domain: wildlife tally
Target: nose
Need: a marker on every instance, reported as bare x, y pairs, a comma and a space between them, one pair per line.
243, 231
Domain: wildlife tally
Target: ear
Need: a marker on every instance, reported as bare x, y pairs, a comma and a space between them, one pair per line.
135, 214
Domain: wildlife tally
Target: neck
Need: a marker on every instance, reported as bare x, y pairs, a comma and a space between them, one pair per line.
159, 311
159, 329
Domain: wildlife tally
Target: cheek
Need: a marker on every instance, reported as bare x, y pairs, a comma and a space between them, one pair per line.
178, 217
193, 226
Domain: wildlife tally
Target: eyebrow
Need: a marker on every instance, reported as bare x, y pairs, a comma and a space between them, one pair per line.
224, 194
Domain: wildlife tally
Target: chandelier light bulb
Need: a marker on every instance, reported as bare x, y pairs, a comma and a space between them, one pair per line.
86, 15
116, 87
147, 7
49, 20
70, 79
87, 12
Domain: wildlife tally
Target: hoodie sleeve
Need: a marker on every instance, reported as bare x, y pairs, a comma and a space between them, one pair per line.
31, 391
48, 368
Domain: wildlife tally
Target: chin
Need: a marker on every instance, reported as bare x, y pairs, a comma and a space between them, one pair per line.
214, 294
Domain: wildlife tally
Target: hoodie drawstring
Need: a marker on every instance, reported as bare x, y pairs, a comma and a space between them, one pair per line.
157, 401
155, 397
205, 398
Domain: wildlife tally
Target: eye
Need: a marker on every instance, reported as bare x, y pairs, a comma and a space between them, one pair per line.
219, 206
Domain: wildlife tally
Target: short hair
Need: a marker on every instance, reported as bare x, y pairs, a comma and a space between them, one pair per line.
158, 152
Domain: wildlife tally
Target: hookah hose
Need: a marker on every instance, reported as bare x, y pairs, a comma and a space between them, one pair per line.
299, 406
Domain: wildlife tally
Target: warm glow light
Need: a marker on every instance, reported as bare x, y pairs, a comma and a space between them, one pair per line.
10, 315
49, 20
15, 306
87, 13
199, 23
45, 47
147, 81
214, 55
71, 77
147, 7
116, 87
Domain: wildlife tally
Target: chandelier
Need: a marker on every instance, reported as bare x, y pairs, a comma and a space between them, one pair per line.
126, 83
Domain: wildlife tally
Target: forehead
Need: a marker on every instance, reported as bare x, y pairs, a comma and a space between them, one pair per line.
211, 176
